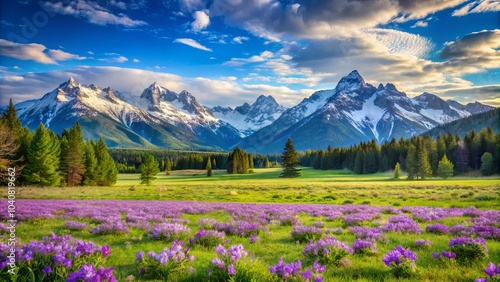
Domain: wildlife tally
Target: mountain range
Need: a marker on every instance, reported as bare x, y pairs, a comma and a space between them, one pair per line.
352, 112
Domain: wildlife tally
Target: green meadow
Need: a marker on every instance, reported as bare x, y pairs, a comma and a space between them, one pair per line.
265, 186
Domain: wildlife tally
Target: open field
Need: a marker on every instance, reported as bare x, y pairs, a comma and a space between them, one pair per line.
399, 210
264, 186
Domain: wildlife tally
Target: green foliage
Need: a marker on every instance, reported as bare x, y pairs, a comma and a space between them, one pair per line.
106, 171
209, 167
397, 171
149, 169
238, 162
468, 254
43, 159
445, 168
73, 156
487, 164
404, 270
290, 161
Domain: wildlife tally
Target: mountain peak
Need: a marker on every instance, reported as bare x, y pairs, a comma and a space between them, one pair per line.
350, 82
265, 99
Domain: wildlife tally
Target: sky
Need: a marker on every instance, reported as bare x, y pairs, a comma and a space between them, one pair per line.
227, 52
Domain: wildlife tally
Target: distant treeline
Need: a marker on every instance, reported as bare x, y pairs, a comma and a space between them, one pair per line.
129, 160
43, 158
368, 157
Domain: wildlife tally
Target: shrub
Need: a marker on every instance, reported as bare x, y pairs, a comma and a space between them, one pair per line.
468, 250
401, 261
303, 233
170, 262
327, 251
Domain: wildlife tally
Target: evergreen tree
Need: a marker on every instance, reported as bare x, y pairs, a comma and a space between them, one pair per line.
168, 166
461, 163
487, 164
290, 161
106, 171
214, 163
73, 156
411, 162
89, 176
8, 149
209, 167
149, 169
43, 160
397, 171
12, 121
445, 168
423, 166
267, 163
359, 162
238, 161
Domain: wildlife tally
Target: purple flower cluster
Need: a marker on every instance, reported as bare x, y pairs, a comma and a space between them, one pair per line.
421, 243
75, 225
88, 273
402, 224
286, 219
437, 228
304, 233
398, 256
465, 241
169, 231
358, 218
54, 255
208, 238
462, 230
224, 265
110, 227
444, 254
285, 271
240, 228
206, 223
364, 246
492, 271
328, 250
162, 264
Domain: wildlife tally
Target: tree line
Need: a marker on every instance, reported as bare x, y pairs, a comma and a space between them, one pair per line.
129, 160
418, 155
44, 158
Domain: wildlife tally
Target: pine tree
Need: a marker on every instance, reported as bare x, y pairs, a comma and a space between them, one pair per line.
8, 149
445, 168
411, 162
209, 167
43, 159
168, 166
487, 164
238, 161
423, 166
89, 177
214, 163
12, 121
149, 169
397, 171
359, 161
73, 156
290, 161
106, 171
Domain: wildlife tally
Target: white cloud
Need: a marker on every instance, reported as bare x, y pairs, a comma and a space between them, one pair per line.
235, 62
240, 39
114, 58
192, 43
35, 52
479, 6
92, 12
400, 42
135, 60
201, 21
59, 55
419, 24
32, 51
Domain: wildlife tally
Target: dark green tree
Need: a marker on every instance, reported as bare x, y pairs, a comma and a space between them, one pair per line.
73, 156
209, 167
89, 176
149, 169
106, 171
238, 161
487, 164
290, 160
445, 168
43, 159
411, 162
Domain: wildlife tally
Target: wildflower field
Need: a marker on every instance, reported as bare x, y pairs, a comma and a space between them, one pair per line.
321, 227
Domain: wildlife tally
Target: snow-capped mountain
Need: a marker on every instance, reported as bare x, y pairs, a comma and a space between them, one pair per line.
250, 118
158, 117
356, 111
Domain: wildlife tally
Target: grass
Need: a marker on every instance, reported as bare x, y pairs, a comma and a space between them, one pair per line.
265, 186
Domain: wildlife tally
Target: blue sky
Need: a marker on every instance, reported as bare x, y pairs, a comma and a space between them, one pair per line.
226, 52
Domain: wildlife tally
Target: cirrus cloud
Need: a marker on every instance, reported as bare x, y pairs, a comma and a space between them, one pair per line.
192, 43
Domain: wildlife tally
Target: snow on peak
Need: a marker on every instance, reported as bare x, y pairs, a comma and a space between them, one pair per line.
350, 82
